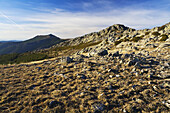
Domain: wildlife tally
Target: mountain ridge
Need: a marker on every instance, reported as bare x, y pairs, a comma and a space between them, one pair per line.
114, 36
38, 42
94, 36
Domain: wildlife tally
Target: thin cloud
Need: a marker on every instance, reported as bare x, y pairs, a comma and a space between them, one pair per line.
12, 22
66, 24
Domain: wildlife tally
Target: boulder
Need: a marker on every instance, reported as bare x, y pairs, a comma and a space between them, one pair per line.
115, 54
98, 107
133, 62
102, 53
67, 59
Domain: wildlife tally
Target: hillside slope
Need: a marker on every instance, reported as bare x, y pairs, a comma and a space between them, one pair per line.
113, 30
113, 35
38, 42
125, 71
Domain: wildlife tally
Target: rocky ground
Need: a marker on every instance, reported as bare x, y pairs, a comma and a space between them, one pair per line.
128, 77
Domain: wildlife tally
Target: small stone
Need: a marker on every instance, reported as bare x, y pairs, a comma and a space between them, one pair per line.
52, 104
137, 65
115, 54
137, 74
81, 76
110, 54
125, 56
98, 107
122, 92
67, 60
163, 102
155, 95
154, 87
133, 87
150, 76
135, 48
100, 95
166, 65
102, 53
82, 93
134, 69
124, 110
32, 87
62, 75
55, 103
39, 68
167, 103
134, 99
117, 75
112, 70
110, 76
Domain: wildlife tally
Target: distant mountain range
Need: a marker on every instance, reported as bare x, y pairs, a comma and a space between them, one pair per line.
38, 42
9, 41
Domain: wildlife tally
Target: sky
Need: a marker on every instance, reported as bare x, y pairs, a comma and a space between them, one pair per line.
24, 19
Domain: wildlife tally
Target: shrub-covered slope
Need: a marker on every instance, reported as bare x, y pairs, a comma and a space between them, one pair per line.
38, 42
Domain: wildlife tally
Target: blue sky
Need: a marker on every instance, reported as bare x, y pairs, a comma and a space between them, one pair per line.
24, 19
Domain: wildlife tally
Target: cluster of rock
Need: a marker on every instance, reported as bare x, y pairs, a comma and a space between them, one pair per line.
112, 82
117, 32
111, 31
132, 76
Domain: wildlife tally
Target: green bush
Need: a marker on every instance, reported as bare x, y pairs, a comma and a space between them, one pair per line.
136, 39
125, 39
155, 33
21, 58
30, 57
122, 40
161, 28
147, 33
118, 42
8, 58
80, 46
164, 37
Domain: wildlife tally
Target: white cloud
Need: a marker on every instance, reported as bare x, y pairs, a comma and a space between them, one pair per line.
67, 24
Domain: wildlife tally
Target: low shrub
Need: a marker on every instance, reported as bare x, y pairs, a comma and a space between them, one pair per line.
164, 37
21, 58
136, 39
80, 46
155, 33
147, 33
161, 28
118, 42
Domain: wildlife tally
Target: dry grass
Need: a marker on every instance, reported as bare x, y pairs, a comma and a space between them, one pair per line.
60, 87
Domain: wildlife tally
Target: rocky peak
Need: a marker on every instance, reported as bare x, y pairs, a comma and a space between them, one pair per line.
118, 27
115, 29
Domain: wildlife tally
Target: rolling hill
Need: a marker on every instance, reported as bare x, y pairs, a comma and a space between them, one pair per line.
38, 42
